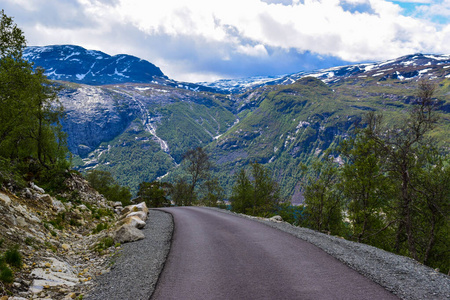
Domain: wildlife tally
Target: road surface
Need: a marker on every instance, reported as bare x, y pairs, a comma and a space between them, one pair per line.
220, 256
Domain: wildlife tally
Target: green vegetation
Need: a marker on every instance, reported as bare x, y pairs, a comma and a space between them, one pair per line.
104, 183
392, 186
154, 194
104, 244
257, 197
9, 261
31, 141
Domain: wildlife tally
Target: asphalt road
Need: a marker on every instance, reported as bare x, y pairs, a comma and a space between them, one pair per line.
221, 256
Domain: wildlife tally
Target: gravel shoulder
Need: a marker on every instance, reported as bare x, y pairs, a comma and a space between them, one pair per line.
137, 266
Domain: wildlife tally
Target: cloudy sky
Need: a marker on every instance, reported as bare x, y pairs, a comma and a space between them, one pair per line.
205, 40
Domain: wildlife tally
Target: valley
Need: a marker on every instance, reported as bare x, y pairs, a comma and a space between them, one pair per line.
139, 131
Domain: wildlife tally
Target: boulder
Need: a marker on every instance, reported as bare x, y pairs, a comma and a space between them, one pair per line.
140, 214
36, 188
46, 198
276, 219
127, 233
5, 199
133, 221
58, 206
134, 208
117, 204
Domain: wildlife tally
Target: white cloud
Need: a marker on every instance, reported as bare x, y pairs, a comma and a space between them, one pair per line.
195, 36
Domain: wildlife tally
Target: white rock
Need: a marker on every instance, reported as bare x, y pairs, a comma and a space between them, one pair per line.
58, 205
117, 204
127, 233
65, 274
133, 221
36, 188
21, 222
134, 208
140, 214
5, 199
276, 219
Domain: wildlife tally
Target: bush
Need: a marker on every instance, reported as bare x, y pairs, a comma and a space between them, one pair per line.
13, 257
6, 275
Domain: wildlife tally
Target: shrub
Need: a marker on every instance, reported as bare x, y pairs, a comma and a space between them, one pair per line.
13, 257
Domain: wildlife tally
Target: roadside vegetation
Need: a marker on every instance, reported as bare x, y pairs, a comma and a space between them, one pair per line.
390, 187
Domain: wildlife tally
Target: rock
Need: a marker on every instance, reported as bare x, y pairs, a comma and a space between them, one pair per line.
117, 204
58, 206
133, 221
28, 193
134, 208
5, 199
140, 214
64, 276
127, 233
82, 207
46, 198
65, 247
276, 219
21, 222
36, 188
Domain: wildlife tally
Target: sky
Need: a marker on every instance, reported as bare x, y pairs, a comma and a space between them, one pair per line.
206, 40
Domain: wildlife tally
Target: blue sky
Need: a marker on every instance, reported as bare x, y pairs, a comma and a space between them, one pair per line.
205, 40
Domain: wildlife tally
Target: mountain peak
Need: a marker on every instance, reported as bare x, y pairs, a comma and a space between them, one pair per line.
77, 64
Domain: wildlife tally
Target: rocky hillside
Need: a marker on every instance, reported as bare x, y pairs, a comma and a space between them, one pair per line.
139, 131
58, 244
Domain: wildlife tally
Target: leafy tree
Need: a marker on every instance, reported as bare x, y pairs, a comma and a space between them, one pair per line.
259, 196
366, 188
401, 147
323, 201
105, 184
242, 193
154, 193
198, 166
180, 192
214, 193
30, 133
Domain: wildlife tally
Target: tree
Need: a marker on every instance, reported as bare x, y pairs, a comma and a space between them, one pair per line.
105, 184
198, 165
401, 147
365, 187
31, 137
154, 193
323, 202
242, 193
180, 192
259, 196
214, 193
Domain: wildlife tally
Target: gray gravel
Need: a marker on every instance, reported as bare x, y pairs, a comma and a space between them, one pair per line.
137, 266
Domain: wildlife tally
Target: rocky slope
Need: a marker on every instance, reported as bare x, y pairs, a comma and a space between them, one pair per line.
64, 243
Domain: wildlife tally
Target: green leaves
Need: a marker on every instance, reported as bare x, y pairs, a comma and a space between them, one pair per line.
259, 196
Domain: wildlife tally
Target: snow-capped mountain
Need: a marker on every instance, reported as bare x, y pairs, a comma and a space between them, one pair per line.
76, 64
404, 68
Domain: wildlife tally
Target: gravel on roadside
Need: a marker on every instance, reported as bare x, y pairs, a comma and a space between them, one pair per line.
137, 266
403, 276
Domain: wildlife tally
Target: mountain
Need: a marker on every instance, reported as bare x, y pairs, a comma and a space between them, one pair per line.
76, 64
403, 68
139, 131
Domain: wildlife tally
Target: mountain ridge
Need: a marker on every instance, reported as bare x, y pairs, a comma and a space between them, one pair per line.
139, 131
